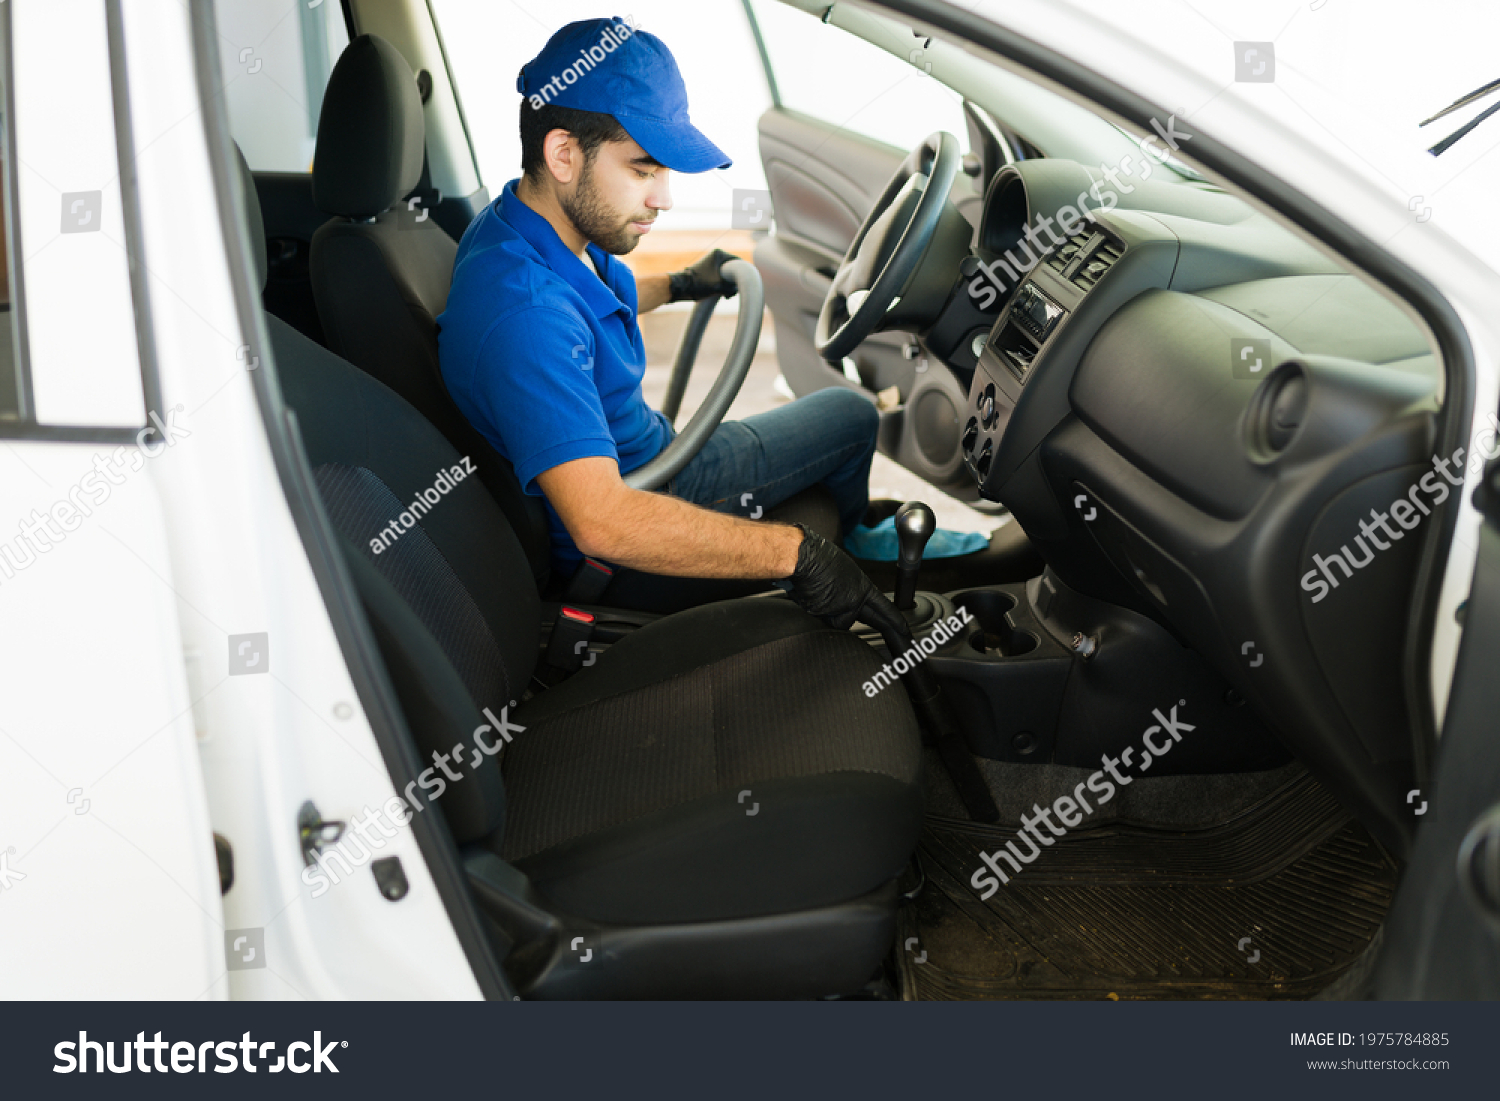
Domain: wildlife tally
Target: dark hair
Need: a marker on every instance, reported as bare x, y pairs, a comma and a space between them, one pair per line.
590, 128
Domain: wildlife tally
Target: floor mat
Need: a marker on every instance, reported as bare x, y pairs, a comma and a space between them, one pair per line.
1275, 903
1181, 802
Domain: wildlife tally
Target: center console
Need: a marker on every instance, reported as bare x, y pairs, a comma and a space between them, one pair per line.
1013, 345
1048, 295
1037, 672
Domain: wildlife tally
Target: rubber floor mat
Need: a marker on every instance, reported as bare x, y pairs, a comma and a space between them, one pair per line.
1276, 903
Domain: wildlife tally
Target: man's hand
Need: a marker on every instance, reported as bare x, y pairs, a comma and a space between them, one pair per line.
828, 583
701, 279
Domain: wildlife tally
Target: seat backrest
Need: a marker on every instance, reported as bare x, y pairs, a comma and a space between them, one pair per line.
447, 589
379, 275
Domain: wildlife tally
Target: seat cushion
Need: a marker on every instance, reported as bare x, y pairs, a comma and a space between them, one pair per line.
724, 762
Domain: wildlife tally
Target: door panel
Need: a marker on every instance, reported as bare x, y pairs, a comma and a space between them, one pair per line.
1442, 939
823, 181
828, 176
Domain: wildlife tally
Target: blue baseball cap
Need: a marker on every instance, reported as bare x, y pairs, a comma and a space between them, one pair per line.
609, 67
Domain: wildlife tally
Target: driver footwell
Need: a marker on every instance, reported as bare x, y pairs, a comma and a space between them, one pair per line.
1275, 901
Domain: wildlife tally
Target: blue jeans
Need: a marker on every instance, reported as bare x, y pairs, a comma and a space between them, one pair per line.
758, 462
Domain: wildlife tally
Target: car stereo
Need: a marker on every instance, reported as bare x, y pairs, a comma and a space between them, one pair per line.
1034, 312
1024, 328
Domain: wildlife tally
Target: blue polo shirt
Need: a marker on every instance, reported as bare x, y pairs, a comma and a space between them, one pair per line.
543, 355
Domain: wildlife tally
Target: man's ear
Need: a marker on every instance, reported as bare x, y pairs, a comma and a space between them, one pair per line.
562, 156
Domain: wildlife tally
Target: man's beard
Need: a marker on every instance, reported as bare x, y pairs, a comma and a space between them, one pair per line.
593, 218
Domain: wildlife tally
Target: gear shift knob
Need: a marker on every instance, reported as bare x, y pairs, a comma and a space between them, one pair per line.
915, 523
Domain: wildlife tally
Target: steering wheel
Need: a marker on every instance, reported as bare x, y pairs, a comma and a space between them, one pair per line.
890, 244
669, 462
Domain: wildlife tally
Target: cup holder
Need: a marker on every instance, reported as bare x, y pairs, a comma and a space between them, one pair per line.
989, 631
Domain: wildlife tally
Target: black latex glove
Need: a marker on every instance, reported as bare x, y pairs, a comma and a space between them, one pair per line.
828, 583
700, 279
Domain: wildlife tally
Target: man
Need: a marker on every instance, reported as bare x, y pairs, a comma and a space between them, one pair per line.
540, 347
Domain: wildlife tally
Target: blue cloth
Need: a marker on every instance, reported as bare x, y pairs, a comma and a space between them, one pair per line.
751, 465
879, 544
541, 356
608, 67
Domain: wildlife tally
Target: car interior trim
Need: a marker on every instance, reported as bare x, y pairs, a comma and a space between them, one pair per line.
1345, 240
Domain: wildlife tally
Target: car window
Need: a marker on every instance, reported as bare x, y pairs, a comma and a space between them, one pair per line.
824, 71
276, 56
69, 360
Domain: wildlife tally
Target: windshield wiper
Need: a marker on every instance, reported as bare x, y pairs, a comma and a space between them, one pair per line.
1477, 94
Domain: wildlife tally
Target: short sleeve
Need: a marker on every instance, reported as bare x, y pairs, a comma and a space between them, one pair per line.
534, 384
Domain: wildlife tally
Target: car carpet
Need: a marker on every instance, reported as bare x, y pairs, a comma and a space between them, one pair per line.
1248, 886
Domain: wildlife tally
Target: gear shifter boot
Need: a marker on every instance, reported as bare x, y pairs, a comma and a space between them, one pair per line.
924, 613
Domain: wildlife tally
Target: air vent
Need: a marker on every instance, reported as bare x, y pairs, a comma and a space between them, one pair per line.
1097, 263
1068, 250
1278, 410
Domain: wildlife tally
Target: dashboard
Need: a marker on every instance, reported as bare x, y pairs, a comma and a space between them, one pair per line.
1190, 411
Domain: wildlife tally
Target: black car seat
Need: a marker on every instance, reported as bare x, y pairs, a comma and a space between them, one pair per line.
381, 278
714, 807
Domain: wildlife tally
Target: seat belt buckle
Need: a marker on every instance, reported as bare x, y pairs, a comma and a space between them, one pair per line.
588, 582
570, 640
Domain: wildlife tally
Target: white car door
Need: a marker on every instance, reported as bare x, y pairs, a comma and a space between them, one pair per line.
108, 880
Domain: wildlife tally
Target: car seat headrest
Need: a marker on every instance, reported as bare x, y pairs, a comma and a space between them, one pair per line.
370, 133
